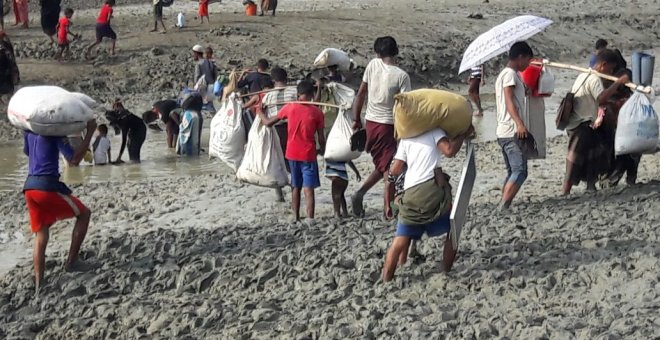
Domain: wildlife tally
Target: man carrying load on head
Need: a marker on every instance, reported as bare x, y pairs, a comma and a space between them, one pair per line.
425, 203
49, 200
382, 80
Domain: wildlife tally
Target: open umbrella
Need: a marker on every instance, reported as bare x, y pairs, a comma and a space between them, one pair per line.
500, 38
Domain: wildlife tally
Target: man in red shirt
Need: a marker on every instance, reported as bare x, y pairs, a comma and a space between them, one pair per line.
305, 124
103, 28
63, 31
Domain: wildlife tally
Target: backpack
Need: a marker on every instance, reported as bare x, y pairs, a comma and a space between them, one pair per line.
167, 3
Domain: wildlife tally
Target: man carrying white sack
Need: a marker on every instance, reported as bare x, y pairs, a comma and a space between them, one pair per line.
425, 204
49, 200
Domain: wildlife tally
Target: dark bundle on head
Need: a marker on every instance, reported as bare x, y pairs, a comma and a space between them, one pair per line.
386, 47
520, 49
306, 88
193, 102
279, 74
263, 64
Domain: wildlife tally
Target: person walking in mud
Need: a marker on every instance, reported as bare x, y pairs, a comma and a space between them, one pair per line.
425, 204
158, 16
268, 5
475, 81
49, 200
382, 80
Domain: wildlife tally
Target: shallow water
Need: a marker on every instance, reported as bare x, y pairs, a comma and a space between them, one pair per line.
157, 162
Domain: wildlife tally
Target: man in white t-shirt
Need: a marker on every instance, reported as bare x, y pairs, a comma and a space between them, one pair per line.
510, 95
425, 203
382, 80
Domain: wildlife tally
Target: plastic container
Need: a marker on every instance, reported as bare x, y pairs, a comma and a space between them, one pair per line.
251, 10
642, 68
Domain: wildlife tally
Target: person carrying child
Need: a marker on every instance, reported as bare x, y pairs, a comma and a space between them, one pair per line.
103, 28
305, 124
101, 146
63, 32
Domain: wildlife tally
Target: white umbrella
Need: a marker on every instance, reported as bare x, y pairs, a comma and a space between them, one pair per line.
500, 38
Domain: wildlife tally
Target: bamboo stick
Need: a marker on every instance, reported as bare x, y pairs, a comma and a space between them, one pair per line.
264, 91
645, 89
307, 103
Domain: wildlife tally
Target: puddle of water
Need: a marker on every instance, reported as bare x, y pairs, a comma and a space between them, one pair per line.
157, 162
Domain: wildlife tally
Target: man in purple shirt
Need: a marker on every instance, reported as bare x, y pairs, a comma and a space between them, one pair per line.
49, 200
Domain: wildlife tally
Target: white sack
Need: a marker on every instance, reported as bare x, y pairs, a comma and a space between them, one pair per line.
333, 56
227, 140
637, 127
343, 95
263, 163
338, 145
181, 20
49, 111
546, 82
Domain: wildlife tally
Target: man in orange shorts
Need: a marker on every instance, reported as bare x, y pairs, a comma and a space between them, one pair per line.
49, 200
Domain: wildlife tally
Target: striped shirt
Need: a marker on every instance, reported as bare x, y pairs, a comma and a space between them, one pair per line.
288, 94
475, 72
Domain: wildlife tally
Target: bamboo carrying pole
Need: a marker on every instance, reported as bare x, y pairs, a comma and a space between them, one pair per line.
308, 103
264, 91
645, 89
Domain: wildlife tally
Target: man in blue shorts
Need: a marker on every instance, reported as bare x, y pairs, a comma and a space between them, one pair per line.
425, 203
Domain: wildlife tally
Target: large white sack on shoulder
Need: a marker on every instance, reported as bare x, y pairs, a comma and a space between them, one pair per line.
344, 95
637, 127
48, 111
227, 140
333, 56
338, 145
263, 163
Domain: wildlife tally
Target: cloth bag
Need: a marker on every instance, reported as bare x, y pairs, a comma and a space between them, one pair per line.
227, 140
637, 126
263, 163
420, 111
338, 145
333, 56
50, 110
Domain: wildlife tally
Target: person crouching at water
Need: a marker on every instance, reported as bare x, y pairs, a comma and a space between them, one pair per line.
425, 203
132, 128
190, 129
164, 110
49, 200
305, 122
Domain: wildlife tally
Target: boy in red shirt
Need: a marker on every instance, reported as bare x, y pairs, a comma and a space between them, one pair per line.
63, 31
304, 123
103, 28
